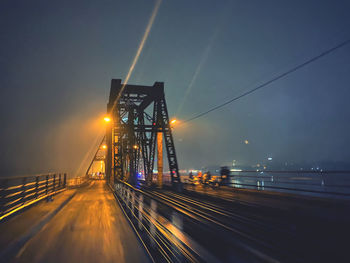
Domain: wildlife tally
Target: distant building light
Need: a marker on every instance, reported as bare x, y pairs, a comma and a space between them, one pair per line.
236, 170
270, 158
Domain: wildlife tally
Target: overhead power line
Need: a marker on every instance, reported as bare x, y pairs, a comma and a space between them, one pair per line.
309, 61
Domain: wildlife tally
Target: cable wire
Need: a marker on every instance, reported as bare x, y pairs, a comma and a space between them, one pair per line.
305, 63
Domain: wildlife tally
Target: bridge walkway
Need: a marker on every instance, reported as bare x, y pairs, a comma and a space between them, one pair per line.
90, 227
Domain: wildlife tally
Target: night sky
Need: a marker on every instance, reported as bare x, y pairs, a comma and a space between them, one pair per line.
57, 59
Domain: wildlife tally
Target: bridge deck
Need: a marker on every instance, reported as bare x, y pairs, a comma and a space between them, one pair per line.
89, 228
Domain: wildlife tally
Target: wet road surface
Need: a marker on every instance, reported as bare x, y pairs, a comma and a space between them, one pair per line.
89, 228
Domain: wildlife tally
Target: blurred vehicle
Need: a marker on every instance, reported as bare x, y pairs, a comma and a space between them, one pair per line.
210, 180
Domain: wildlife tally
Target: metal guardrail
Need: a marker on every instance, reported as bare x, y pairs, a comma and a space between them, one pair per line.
319, 183
164, 224
314, 183
159, 229
19, 192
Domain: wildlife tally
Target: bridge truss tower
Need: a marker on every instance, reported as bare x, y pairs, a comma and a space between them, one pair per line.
138, 114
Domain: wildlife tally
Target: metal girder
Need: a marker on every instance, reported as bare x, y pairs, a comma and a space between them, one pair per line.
138, 113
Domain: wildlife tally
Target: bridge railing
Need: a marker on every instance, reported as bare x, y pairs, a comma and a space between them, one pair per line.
19, 192
312, 183
315, 183
159, 224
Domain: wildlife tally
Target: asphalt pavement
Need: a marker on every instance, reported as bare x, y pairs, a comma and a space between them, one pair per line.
90, 228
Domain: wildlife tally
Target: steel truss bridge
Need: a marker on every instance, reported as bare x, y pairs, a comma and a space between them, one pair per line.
139, 119
57, 218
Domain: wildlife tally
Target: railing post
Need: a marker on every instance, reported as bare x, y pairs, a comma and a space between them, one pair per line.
64, 180
54, 183
127, 197
59, 181
3, 186
36, 186
132, 201
177, 221
23, 189
47, 185
140, 210
152, 227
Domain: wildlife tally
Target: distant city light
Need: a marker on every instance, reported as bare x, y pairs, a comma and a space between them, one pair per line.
270, 158
246, 141
135, 146
107, 119
173, 121
104, 146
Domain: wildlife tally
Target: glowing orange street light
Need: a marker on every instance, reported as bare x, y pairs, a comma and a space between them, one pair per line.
173, 121
107, 119
136, 146
104, 146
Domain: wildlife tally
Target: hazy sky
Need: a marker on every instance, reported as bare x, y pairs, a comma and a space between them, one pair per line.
57, 59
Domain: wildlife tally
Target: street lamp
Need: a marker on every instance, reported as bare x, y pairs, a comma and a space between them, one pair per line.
173, 121
107, 119
104, 146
